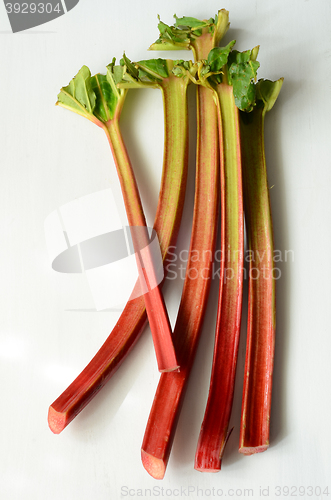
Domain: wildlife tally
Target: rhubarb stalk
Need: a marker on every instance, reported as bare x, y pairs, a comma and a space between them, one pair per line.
168, 400
255, 418
233, 86
102, 100
133, 319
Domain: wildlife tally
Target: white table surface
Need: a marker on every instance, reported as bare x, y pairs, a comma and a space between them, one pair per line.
50, 157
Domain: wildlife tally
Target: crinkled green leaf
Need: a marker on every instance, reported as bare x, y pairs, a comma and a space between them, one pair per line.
130, 66
171, 33
242, 69
239, 57
190, 22
187, 29
78, 95
106, 100
244, 95
182, 68
116, 72
143, 76
114, 76
157, 68
242, 77
185, 64
163, 28
268, 91
95, 97
143, 73
218, 57
212, 27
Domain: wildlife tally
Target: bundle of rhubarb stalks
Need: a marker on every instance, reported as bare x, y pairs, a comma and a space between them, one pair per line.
230, 185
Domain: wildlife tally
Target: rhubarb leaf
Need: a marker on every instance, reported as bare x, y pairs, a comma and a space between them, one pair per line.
146, 73
170, 38
106, 101
107, 94
242, 71
115, 73
78, 95
130, 66
181, 36
267, 92
190, 22
156, 68
218, 57
181, 68
135, 77
94, 97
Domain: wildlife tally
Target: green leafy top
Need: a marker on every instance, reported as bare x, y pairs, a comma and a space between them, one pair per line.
97, 98
205, 72
218, 57
242, 70
146, 73
182, 34
267, 92
228, 66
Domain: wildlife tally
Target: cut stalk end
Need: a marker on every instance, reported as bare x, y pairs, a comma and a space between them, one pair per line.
175, 368
207, 464
206, 469
208, 458
57, 421
251, 450
156, 467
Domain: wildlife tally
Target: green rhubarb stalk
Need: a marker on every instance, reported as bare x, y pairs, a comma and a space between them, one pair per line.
157, 73
255, 418
133, 319
98, 99
168, 400
231, 74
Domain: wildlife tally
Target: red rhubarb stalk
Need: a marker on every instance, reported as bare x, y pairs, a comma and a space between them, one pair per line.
169, 396
100, 99
156, 311
214, 430
255, 418
133, 319
168, 400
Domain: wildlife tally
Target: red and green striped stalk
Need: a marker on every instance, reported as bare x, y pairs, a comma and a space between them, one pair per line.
233, 87
255, 418
158, 319
214, 430
161, 426
133, 319
168, 400
102, 100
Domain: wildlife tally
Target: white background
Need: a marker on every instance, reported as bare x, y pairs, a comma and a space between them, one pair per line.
50, 156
